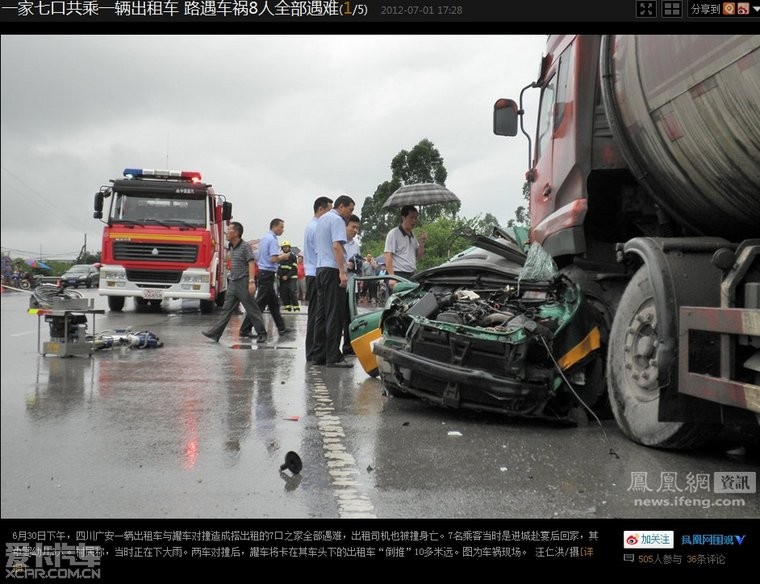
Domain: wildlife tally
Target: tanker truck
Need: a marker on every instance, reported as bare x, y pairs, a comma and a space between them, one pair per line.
645, 190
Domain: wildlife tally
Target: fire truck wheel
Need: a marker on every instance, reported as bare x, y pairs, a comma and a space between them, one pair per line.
632, 374
116, 303
207, 306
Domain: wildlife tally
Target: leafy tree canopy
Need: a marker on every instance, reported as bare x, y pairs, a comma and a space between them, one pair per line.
448, 233
421, 164
522, 217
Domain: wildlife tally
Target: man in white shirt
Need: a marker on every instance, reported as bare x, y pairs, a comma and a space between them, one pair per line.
402, 247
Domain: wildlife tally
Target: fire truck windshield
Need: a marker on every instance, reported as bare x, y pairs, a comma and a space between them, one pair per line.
138, 208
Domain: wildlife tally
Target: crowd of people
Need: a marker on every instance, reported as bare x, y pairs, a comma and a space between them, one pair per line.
276, 278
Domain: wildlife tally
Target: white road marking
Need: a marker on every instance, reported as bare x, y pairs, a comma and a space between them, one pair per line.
353, 502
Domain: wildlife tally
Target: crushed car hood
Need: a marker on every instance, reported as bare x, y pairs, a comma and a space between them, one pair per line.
472, 335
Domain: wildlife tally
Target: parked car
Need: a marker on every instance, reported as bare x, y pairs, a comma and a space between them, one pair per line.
80, 275
476, 333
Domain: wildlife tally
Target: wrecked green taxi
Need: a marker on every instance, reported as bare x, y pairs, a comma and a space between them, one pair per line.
481, 332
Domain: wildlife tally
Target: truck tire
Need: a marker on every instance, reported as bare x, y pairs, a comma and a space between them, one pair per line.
632, 382
220, 298
207, 306
116, 303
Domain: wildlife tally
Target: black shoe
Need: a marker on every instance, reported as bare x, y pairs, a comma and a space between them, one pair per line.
261, 339
320, 363
285, 331
341, 364
209, 336
248, 335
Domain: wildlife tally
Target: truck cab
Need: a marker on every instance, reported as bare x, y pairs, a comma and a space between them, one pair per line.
643, 188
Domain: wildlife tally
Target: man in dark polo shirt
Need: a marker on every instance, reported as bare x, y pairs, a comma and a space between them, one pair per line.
241, 287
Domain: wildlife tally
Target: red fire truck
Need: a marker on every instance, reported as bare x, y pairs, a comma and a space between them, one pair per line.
164, 238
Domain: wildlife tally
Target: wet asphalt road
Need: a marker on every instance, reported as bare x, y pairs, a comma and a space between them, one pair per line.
196, 429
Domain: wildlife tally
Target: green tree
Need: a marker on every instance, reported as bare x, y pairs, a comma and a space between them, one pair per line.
522, 216
448, 233
422, 164
376, 221
447, 236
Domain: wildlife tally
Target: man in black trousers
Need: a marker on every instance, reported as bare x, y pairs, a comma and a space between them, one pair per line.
270, 255
321, 206
332, 280
240, 288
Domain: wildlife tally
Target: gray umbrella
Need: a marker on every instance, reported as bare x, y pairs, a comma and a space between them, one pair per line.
420, 194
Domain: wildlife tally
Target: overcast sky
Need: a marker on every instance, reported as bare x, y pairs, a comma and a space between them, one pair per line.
271, 121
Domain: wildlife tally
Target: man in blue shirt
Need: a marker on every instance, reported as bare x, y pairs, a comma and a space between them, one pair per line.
269, 256
321, 206
241, 287
332, 280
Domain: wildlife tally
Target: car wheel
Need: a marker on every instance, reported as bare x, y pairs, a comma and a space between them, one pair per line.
632, 374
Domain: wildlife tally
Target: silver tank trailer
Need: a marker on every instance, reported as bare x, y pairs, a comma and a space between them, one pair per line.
686, 113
